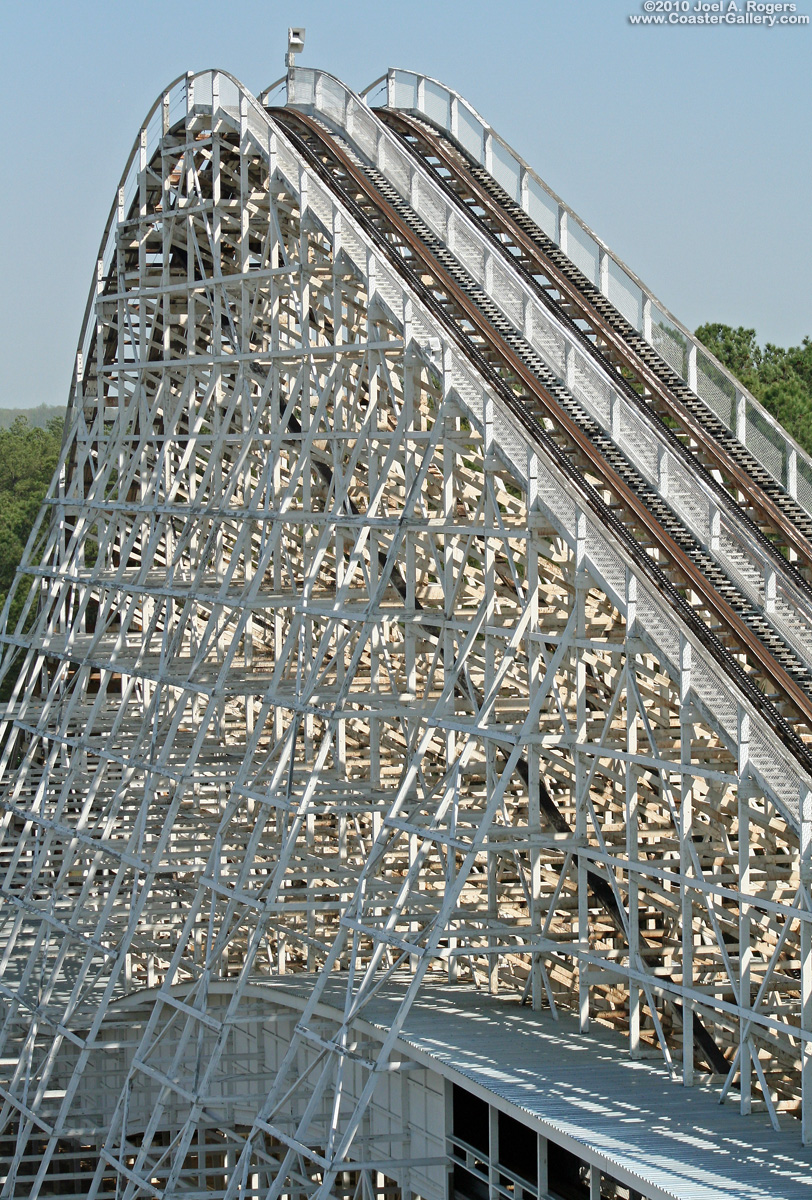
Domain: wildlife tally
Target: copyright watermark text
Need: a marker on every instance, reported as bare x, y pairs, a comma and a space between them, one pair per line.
717, 12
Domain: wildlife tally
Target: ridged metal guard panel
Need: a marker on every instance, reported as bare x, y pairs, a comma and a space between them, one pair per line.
715, 699
678, 1142
412, 91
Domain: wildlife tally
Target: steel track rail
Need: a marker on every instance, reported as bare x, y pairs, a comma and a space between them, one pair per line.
369, 206
783, 521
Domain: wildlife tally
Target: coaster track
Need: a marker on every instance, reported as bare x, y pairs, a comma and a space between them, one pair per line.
727, 622
771, 514
362, 647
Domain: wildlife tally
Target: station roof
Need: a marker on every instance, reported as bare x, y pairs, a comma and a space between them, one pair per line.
585, 1092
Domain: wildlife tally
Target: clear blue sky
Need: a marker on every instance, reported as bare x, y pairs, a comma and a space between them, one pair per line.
686, 149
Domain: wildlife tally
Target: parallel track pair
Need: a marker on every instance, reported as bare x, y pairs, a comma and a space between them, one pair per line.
774, 676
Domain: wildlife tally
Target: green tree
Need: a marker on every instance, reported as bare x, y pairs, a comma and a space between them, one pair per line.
736, 349
28, 458
780, 379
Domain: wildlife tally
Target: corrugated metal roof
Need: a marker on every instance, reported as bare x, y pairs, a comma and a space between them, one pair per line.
585, 1091
678, 1141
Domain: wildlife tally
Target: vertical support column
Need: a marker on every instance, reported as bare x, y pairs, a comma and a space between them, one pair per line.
166, 235
493, 1152
100, 321
414, 187
614, 415
489, 262
376, 656
541, 1159
527, 319
770, 588
163, 313
308, 393
569, 365
421, 94
310, 841
138, 311
450, 433
632, 814
247, 401
142, 243
273, 151
647, 319
99, 422
745, 1060
806, 964
741, 417
410, 374
562, 229
448, 1105
340, 567
186, 192
451, 231
217, 333
410, 649
454, 116
338, 302
119, 380
489, 517
686, 818
534, 677
215, 97
342, 540
280, 444
528, 324
691, 363
307, 396
581, 768
406, 1124
121, 315
715, 526
663, 457
792, 471
350, 106
603, 271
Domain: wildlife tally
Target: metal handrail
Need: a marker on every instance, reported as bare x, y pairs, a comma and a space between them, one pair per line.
769, 759
778, 452
690, 497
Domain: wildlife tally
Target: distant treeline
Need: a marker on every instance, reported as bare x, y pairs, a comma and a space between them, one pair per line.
28, 458
38, 418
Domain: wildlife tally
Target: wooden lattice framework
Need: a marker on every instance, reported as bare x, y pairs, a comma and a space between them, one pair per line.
313, 679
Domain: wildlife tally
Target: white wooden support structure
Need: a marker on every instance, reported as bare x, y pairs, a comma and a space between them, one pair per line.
327, 671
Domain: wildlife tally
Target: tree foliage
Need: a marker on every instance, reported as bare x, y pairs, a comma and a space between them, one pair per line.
780, 379
28, 458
